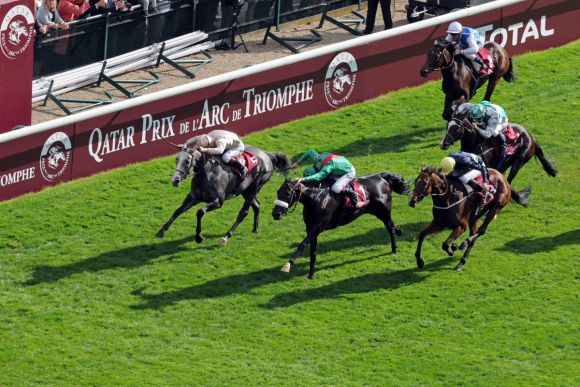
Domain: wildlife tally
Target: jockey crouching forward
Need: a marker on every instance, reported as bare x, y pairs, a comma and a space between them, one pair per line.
468, 41
491, 121
327, 165
221, 142
467, 167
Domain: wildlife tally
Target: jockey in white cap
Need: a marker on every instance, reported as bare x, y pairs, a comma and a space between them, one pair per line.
468, 41
221, 142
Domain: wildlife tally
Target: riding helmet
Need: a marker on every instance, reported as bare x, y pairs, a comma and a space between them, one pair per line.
447, 164
454, 28
476, 112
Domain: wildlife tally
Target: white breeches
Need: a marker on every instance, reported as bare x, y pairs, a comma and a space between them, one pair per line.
341, 182
470, 56
474, 173
234, 152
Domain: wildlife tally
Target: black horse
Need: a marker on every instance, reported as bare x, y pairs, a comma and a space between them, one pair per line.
460, 128
324, 210
459, 81
214, 182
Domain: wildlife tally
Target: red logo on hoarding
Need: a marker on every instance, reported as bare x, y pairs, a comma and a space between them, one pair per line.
340, 79
16, 31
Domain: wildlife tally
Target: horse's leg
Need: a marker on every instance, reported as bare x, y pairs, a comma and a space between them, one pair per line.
456, 233
313, 246
491, 84
515, 168
472, 231
256, 209
447, 110
488, 218
187, 203
431, 229
200, 213
313, 231
241, 216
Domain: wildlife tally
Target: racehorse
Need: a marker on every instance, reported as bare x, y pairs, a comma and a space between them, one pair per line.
214, 182
452, 210
459, 81
460, 128
324, 210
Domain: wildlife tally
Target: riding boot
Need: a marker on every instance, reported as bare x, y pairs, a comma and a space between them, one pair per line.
351, 193
480, 62
479, 197
243, 169
503, 147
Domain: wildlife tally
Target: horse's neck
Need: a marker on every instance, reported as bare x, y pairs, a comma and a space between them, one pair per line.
470, 142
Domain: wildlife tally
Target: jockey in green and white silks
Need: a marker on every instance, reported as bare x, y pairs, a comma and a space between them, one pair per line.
491, 121
328, 165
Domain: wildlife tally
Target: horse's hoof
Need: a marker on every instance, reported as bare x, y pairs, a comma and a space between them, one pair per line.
160, 234
310, 277
394, 251
454, 247
224, 240
199, 238
286, 268
459, 267
420, 263
463, 245
398, 231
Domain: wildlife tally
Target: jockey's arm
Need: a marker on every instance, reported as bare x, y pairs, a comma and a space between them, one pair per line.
218, 149
464, 107
320, 175
486, 132
472, 48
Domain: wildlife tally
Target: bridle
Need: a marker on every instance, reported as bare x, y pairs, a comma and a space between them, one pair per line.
190, 152
443, 66
291, 199
429, 181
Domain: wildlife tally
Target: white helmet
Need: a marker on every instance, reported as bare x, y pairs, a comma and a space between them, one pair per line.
454, 28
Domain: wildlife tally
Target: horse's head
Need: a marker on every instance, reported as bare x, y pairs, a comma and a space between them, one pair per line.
288, 195
457, 126
424, 185
437, 58
184, 165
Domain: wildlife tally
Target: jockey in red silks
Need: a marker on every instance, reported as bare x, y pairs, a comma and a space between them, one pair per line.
328, 165
468, 41
221, 142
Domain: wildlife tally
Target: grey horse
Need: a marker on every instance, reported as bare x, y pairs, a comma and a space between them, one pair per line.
214, 182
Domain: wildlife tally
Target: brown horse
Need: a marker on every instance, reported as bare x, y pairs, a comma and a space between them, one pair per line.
453, 210
460, 128
459, 80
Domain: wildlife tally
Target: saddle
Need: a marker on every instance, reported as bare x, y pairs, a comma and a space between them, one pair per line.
486, 57
511, 137
247, 159
362, 195
491, 189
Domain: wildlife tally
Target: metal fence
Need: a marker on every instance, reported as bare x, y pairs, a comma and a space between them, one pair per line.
100, 37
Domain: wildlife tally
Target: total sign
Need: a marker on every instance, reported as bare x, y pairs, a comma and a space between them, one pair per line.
518, 33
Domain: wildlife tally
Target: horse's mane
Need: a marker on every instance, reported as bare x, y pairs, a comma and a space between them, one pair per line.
429, 169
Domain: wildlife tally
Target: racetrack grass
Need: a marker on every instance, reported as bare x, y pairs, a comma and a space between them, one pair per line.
89, 296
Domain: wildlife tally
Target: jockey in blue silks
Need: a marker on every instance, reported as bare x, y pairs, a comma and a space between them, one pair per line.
468, 41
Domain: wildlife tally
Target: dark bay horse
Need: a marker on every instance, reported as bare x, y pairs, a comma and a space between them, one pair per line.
324, 210
460, 128
459, 81
214, 182
453, 209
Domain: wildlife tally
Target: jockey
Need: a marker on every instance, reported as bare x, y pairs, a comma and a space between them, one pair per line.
468, 41
328, 165
221, 142
493, 121
467, 167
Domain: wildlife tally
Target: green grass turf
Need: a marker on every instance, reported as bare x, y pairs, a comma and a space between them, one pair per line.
89, 296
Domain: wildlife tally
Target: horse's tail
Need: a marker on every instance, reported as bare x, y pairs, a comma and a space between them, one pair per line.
280, 161
397, 182
547, 164
510, 76
522, 197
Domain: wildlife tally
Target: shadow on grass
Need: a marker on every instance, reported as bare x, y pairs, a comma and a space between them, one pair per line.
391, 144
531, 246
363, 284
134, 256
376, 236
234, 284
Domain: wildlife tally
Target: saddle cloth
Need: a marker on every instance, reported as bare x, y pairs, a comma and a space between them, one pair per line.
362, 195
488, 186
248, 159
486, 57
511, 137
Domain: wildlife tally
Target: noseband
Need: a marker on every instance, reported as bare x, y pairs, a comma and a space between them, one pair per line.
284, 204
191, 163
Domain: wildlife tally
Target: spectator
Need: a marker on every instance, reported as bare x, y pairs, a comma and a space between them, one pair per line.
75, 9
47, 17
97, 7
149, 5
373, 6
